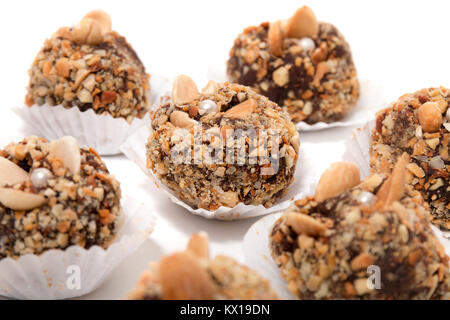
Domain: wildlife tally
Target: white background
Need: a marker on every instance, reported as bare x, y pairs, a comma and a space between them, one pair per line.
401, 45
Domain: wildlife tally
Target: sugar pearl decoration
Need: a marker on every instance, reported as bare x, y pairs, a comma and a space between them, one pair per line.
307, 44
367, 198
207, 107
39, 177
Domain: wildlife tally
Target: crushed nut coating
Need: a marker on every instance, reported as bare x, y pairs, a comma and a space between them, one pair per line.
209, 184
334, 264
418, 124
80, 209
314, 85
107, 77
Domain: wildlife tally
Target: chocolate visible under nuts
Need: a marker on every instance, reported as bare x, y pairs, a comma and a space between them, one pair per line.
333, 264
314, 85
415, 125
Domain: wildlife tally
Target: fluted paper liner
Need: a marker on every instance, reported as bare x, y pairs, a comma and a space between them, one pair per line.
50, 275
135, 149
258, 256
102, 132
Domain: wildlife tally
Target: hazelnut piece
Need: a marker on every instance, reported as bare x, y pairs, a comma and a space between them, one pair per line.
103, 19
302, 24
184, 90
430, 117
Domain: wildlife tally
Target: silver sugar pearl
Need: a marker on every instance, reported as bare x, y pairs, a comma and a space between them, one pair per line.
39, 177
367, 198
307, 44
207, 107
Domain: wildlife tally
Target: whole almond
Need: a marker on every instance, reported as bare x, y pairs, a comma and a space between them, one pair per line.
183, 278
20, 200
242, 110
275, 38
304, 224
102, 18
66, 149
198, 245
430, 117
394, 187
211, 88
302, 24
339, 177
11, 173
184, 90
88, 31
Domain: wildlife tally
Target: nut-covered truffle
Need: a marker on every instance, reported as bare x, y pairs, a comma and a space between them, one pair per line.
368, 242
192, 275
90, 67
54, 195
224, 146
417, 125
302, 64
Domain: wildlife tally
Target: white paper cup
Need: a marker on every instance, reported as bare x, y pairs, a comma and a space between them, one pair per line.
134, 149
257, 254
74, 272
102, 132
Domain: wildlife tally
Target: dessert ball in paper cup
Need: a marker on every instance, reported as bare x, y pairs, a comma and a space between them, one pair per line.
224, 153
60, 215
354, 240
300, 63
88, 82
193, 275
418, 125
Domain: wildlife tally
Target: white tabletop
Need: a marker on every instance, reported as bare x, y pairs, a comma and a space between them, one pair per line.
399, 45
